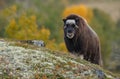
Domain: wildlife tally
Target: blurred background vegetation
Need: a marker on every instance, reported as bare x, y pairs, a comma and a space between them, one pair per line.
42, 20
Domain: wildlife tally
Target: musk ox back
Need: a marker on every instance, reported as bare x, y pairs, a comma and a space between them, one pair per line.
80, 39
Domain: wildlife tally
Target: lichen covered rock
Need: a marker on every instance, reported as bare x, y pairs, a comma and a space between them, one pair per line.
17, 62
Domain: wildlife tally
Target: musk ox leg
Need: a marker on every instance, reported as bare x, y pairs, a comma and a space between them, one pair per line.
98, 60
86, 56
97, 57
93, 58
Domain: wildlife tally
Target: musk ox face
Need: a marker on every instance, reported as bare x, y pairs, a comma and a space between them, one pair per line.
70, 27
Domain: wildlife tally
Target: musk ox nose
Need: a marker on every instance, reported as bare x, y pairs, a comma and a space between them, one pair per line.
69, 31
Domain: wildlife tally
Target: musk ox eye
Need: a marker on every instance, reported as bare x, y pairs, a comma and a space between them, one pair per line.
73, 25
66, 25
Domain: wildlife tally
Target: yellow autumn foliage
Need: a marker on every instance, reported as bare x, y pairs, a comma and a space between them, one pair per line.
44, 34
51, 45
62, 47
10, 11
12, 29
81, 10
24, 27
33, 18
13, 8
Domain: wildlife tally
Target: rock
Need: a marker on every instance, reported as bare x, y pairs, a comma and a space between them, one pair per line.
39, 43
100, 74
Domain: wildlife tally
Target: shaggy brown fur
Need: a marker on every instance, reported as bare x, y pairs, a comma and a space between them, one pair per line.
85, 41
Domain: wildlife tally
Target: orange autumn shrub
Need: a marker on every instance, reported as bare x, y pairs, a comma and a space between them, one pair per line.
81, 10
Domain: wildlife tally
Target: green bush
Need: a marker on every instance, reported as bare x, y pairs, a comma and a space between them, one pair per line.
49, 14
3, 24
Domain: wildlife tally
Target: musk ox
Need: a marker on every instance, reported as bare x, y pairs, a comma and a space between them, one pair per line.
81, 39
